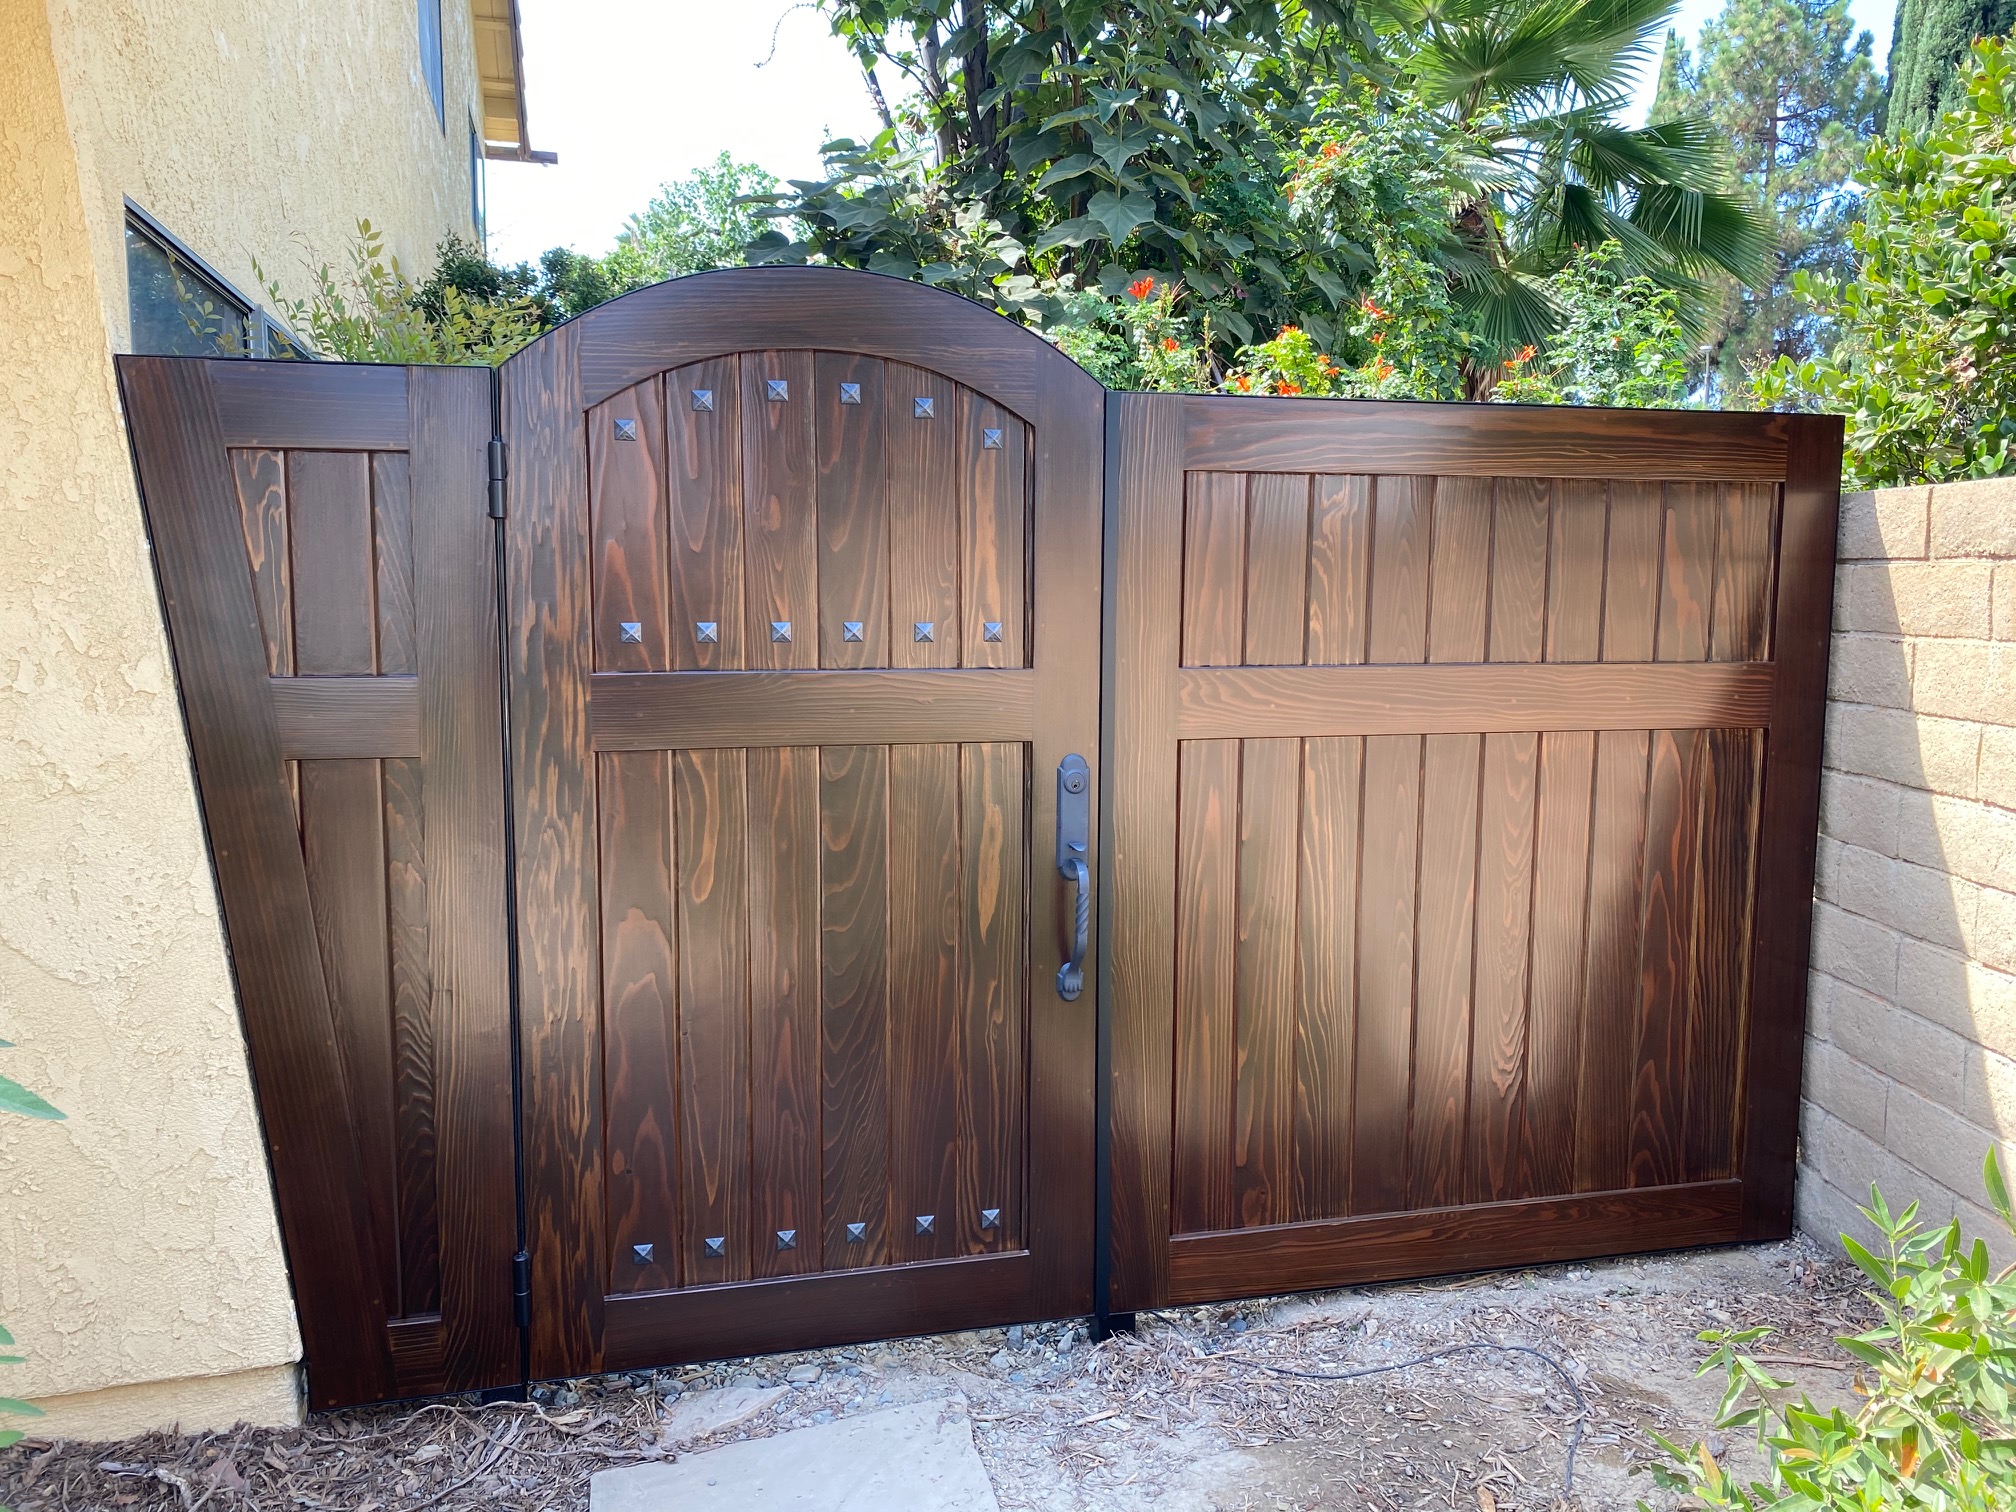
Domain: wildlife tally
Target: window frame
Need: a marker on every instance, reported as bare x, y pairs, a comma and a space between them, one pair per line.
262, 332
434, 63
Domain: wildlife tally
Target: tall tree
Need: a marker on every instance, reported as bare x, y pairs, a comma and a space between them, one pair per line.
1928, 49
1792, 87
1535, 89
1047, 146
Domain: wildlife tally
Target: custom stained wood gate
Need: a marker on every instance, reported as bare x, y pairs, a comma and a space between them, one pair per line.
804, 616
1464, 774
1446, 777
327, 566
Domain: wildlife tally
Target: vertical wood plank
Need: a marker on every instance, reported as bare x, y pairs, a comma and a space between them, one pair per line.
333, 572
1214, 569
710, 826
994, 565
854, 1000
392, 559
1326, 986
1742, 615
926, 1052
1561, 872
1687, 571
924, 489
1576, 540
1402, 526
1383, 1061
1267, 955
1521, 518
1460, 581
779, 512
853, 511
993, 1001
1730, 776
1277, 569
703, 479
627, 512
343, 843
784, 1162
1659, 1065
1340, 558
1207, 884
640, 987
1632, 560
413, 1063
261, 479
462, 778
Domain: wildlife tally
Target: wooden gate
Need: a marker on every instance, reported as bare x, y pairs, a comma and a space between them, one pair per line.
1463, 792
1458, 791
804, 616
326, 562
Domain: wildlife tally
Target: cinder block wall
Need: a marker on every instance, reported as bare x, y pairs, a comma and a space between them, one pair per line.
1911, 1050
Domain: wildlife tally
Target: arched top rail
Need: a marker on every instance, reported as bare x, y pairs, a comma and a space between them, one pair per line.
706, 315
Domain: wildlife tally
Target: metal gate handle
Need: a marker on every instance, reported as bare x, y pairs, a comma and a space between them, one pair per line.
1074, 839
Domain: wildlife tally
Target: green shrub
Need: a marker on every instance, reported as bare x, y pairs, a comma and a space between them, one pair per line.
1925, 368
1935, 1430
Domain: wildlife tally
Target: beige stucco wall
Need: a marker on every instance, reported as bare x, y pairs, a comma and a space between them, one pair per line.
1911, 1058
140, 1261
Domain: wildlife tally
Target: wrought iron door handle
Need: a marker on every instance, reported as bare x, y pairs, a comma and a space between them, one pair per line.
1071, 975
1074, 839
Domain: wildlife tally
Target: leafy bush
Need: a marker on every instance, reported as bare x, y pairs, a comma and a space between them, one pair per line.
1925, 367
1619, 343
1936, 1430
377, 314
706, 220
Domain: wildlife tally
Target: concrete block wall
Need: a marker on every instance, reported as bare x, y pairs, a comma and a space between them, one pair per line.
1911, 1046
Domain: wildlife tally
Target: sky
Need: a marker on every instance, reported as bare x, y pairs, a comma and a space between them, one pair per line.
632, 93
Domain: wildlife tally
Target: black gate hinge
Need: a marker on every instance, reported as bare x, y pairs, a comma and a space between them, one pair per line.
496, 477
521, 1288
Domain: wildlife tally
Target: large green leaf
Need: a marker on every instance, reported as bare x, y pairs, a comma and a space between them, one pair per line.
1120, 214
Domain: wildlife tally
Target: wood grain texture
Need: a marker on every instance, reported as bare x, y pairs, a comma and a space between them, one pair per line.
853, 511
1214, 569
780, 544
282, 405
415, 1070
854, 984
640, 1006
1263, 1104
1232, 434
1207, 890
1277, 570
993, 994
627, 512
993, 536
924, 509
1253, 1262
1340, 559
334, 574
711, 886
1657, 1140
1563, 828
704, 491
784, 1081
261, 477
325, 717
1327, 975
926, 1049
392, 562
1383, 1063
649, 711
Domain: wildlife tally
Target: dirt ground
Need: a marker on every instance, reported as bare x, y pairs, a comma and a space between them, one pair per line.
1201, 1410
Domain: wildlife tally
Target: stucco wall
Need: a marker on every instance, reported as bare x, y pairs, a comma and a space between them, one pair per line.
264, 130
140, 1262
1911, 1058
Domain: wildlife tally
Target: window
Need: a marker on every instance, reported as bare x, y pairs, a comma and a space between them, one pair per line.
477, 186
177, 306
430, 57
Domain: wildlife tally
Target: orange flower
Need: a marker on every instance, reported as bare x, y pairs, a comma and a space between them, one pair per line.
1242, 383
1377, 337
1527, 353
1371, 309
1289, 388
1287, 331
1141, 288
1380, 370
1169, 343
1331, 149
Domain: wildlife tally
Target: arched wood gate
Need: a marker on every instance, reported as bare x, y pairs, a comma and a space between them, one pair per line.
1445, 776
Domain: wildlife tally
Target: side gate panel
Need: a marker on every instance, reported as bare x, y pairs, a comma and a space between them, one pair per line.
1463, 790
326, 563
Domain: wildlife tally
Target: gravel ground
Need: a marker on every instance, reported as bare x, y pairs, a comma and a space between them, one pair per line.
1208, 1409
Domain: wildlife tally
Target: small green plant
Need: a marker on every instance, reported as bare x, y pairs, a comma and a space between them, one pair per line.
1139, 339
1289, 364
1620, 341
377, 314
1935, 1432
